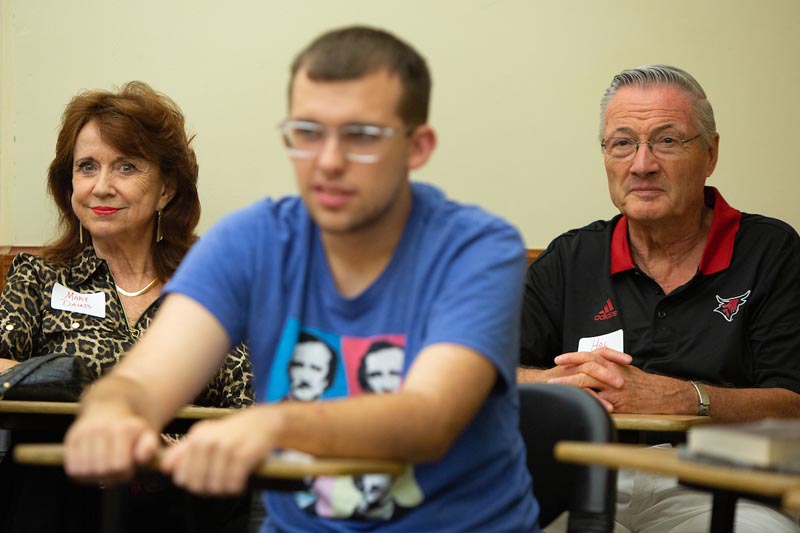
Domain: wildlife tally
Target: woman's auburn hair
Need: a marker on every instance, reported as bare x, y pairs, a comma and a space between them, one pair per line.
138, 122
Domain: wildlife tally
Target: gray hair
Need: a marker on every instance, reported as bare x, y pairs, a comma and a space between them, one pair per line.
661, 75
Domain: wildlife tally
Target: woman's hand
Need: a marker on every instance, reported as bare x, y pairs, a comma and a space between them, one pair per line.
5, 364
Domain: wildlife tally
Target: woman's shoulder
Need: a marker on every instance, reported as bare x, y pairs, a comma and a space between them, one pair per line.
29, 264
28, 276
30, 267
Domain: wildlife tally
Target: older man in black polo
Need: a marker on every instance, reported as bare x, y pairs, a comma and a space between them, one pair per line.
681, 304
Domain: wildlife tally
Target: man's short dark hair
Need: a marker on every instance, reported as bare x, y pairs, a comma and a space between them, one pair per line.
356, 51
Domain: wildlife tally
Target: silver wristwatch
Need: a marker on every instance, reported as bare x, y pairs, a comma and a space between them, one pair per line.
702, 397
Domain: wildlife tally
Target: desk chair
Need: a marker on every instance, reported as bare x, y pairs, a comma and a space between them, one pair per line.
550, 413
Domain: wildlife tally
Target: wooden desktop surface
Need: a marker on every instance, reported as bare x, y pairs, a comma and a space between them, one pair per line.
791, 500
641, 422
58, 416
666, 461
644, 422
71, 408
276, 467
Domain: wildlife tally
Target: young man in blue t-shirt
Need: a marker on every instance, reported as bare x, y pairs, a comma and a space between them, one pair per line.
361, 257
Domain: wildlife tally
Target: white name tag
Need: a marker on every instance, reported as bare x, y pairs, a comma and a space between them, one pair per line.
68, 300
611, 340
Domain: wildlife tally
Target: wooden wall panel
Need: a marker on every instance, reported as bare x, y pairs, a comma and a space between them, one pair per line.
7, 255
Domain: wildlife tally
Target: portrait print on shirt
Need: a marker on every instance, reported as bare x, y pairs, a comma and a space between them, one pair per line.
381, 368
308, 366
312, 364
312, 368
376, 500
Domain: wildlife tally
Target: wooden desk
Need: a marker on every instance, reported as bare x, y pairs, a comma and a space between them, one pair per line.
791, 500
276, 467
191, 412
644, 422
59, 415
726, 483
275, 473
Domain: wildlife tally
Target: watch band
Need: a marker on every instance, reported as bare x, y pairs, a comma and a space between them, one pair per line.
702, 397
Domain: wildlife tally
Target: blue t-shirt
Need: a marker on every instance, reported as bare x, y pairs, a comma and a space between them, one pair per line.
456, 277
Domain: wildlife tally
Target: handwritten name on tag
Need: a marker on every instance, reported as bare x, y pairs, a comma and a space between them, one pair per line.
611, 340
66, 299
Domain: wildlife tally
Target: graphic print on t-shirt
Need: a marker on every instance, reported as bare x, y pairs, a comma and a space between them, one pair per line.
313, 364
307, 366
374, 364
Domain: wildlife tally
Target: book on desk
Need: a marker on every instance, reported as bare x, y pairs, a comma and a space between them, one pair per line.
769, 444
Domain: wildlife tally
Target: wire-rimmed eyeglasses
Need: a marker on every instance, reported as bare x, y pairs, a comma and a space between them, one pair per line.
662, 146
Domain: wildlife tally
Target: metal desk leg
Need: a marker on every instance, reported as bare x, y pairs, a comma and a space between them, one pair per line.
113, 517
723, 511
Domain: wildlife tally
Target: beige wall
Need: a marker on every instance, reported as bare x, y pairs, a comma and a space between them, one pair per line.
516, 91
6, 169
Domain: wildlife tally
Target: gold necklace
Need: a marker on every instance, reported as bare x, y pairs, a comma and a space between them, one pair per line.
136, 293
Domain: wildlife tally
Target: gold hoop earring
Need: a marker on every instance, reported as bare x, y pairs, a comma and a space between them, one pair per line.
80, 232
159, 235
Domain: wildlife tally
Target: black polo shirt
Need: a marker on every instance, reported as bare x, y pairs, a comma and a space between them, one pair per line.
736, 323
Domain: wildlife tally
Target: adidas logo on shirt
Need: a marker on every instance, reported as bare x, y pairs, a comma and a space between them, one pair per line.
607, 312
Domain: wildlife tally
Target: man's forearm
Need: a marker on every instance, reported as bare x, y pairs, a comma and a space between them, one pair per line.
444, 389
402, 426
661, 394
739, 405
531, 375
122, 395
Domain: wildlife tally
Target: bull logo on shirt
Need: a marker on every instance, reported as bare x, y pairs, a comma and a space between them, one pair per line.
728, 307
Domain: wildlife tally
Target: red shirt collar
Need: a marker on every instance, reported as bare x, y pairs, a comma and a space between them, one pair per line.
719, 246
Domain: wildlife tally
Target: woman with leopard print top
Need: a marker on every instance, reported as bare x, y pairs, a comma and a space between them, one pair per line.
124, 181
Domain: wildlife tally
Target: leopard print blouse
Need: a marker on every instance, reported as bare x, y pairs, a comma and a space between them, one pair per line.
30, 326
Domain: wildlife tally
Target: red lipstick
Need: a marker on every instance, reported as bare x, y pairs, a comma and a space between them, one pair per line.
104, 210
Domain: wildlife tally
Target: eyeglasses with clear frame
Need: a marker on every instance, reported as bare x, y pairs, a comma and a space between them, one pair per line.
663, 146
360, 143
